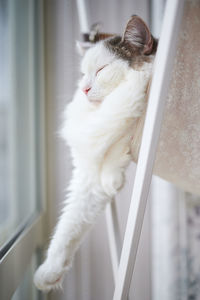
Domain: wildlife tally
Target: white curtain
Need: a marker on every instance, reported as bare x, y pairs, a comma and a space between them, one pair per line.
175, 243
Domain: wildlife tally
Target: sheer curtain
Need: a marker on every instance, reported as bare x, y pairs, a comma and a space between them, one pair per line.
175, 243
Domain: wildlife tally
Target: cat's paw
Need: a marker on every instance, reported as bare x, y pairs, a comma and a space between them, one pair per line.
111, 183
49, 276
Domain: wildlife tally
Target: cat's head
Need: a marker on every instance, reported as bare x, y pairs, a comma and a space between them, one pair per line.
106, 64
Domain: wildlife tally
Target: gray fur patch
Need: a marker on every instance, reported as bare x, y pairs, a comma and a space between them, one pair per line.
129, 53
119, 48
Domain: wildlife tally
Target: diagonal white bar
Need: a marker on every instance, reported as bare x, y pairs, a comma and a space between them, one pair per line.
159, 87
113, 236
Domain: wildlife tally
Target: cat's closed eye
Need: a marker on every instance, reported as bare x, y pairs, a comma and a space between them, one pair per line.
83, 74
101, 69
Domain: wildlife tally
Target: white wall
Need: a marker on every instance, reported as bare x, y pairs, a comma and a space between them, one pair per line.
91, 275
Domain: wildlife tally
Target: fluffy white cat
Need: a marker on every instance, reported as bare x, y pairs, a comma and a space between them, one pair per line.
98, 128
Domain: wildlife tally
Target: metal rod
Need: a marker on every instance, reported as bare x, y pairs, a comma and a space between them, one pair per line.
83, 18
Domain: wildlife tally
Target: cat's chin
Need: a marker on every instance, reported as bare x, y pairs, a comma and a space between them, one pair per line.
95, 101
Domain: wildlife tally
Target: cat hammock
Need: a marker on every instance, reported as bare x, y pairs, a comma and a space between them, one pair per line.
177, 152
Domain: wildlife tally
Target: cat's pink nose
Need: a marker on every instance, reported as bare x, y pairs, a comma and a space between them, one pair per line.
86, 90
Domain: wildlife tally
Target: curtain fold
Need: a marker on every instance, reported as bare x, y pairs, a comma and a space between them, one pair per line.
175, 243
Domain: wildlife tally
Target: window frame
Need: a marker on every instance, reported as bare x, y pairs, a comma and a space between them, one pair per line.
20, 248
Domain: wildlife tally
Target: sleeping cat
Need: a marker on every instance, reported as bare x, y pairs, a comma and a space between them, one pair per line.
99, 127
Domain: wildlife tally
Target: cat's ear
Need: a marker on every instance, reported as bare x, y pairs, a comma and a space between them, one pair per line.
82, 47
138, 35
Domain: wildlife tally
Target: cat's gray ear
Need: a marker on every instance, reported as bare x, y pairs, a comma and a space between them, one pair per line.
138, 35
82, 47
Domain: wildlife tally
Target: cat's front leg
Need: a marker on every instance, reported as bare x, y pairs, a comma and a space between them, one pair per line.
61, 251
84, 204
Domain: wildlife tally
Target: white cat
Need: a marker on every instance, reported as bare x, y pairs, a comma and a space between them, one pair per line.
99, 127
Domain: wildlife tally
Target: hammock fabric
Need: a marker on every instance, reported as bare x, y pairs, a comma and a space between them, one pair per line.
178, 154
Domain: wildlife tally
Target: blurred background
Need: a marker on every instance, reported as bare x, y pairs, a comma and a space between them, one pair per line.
39, 68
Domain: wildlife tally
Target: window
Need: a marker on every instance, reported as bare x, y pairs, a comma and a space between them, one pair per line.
21, 137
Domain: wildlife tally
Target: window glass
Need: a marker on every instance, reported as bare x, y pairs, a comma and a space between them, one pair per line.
20, 90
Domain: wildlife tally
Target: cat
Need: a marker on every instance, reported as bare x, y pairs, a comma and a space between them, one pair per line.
98, 127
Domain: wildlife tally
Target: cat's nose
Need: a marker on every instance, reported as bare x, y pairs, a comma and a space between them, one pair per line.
86, 90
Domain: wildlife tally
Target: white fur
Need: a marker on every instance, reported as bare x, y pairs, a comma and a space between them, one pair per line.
98, 128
